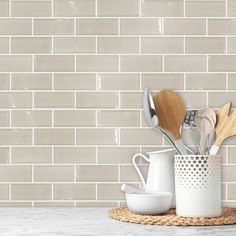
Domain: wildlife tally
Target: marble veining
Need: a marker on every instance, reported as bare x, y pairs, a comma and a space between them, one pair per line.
88, 222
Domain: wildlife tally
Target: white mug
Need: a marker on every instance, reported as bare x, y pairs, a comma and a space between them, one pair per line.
160, 176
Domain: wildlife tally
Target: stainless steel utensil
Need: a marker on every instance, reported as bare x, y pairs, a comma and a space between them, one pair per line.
150, 113
152, 119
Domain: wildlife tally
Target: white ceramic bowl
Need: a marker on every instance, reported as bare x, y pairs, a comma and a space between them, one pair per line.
149, 203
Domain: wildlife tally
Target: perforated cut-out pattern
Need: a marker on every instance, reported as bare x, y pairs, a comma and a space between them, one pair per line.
197, 171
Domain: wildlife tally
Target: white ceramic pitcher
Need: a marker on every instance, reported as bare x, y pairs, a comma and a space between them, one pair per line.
161, 171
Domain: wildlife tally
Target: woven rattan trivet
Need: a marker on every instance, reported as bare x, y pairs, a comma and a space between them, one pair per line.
228, 217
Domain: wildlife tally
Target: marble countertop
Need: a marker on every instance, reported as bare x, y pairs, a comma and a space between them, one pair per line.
86, 222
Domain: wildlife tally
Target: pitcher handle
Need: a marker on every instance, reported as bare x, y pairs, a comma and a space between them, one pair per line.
137, 168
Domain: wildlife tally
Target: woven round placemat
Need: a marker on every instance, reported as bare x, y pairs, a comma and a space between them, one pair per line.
228, 217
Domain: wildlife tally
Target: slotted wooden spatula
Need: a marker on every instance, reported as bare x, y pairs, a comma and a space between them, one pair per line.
225, 126
171, 111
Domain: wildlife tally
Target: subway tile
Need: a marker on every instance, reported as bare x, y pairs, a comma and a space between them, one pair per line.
96, 26
231, 192
57, 63
139, 137
129, 174
194, 100
97, 63
74, 191
97, 173
75, 118
54, 100
74, 81
31, 155
162, 45
232, 155
118, 45
4, 8
120, 81
4, 118
185, 63
30, 118
231, 8
141, 63
118, 8
222, 26
118, 118
15, 26
15, 137
15, 173
74, 8
13, 63
31, 81
232, 81
54, 137
206, 81
54, 204
140, 26
30, 9
162, 8
205, 45
231, 140
205, 8
131, 100
116, 155
53, 26
109, 192
97, 137
231, 45
163, 81
55, 173
31, 191
96, 204
4, 44
4, 192
218, 99
15, 100
221, 63
184, 26
84, 155
30, 45
74, 45
4, 155
96, 100
4, 81
14, 204
228, 173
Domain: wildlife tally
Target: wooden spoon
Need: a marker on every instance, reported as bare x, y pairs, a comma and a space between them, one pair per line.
225, 126
171, 111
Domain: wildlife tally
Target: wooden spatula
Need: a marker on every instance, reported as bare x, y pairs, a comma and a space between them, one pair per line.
171, 110
225, 126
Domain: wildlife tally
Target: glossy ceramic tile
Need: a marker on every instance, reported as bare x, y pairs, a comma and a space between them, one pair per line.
75, 8
118, 8
72, 76
53, 136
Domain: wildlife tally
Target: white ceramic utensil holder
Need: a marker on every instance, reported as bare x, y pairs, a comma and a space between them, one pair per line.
198, 185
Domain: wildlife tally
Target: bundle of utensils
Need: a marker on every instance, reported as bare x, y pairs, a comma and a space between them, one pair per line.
166, 113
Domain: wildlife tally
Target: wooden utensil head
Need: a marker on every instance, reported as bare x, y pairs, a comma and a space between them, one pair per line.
170, 110
226, 124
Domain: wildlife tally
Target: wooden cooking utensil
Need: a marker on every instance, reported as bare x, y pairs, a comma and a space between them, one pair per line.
171, 111
225, 126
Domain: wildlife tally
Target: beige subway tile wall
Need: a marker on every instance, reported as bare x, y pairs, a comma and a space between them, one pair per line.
72, 75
